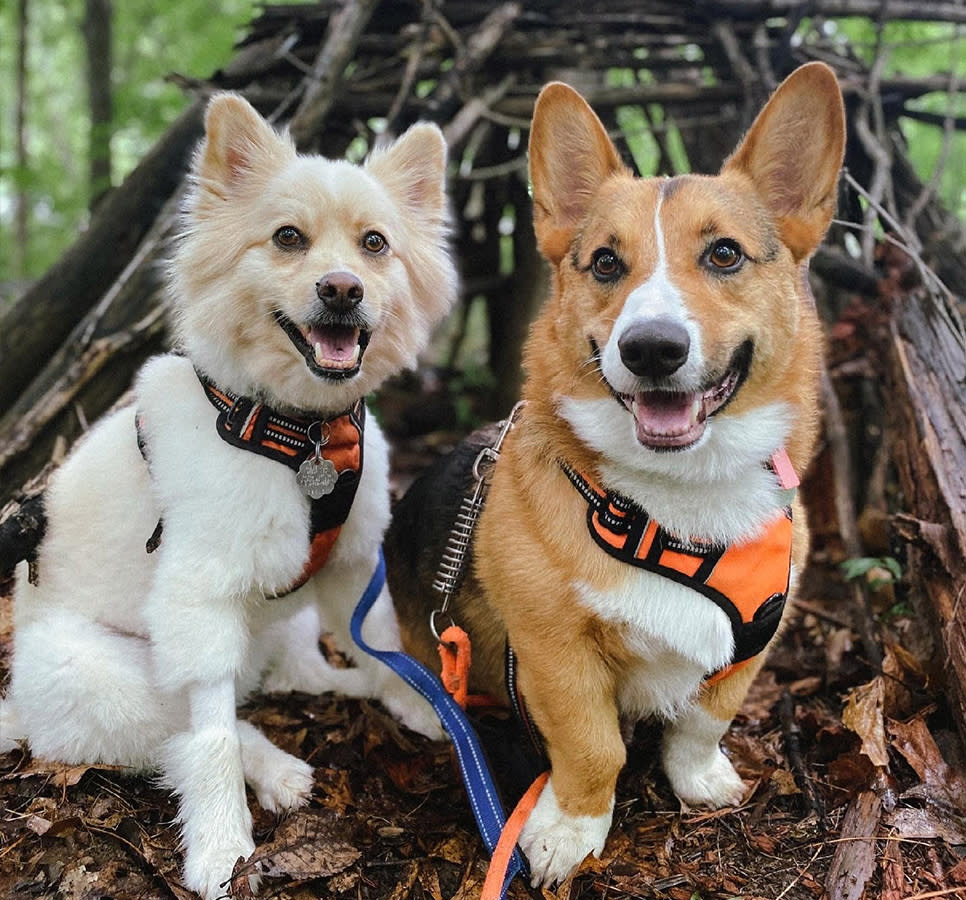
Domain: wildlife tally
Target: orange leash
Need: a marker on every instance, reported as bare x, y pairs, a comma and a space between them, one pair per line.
500, 860
456, 655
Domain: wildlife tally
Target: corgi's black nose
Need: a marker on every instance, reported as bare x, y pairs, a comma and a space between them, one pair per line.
654, 348
340, 291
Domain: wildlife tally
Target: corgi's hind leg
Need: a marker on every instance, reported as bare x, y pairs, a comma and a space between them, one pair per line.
699, 772
83, 693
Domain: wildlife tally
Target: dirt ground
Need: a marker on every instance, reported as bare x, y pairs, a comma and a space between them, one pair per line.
854, 784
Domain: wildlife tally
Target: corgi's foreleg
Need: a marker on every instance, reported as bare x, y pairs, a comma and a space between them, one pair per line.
699, 772
576, 713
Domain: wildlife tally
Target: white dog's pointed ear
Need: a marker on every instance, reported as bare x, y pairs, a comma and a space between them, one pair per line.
413, 169
793, 153
238, 142
570, 156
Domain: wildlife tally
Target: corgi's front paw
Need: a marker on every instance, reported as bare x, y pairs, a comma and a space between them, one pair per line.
207, 871
555, 843
711, 782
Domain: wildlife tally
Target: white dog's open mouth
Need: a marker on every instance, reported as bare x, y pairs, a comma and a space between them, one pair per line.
675, 420
329, 350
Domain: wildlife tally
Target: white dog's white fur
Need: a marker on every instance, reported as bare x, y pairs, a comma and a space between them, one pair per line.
138, 659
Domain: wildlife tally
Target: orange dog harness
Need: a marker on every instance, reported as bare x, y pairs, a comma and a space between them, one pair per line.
747, 581
253, 426
333, 445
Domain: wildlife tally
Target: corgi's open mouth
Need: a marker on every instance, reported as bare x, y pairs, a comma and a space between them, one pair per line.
675, 420
329, 350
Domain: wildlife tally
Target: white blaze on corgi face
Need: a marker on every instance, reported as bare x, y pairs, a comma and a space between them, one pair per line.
306, 281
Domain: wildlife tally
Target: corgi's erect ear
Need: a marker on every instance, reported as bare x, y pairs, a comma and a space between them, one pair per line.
238, 142
793, 153
570, 156
413, 169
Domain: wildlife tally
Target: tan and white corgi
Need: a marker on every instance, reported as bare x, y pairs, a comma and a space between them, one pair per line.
196, 538
637, 545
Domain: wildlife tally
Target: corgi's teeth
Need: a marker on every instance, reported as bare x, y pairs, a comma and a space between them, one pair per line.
696, 406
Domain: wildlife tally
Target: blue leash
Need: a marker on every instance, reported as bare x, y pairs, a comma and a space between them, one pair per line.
487, 808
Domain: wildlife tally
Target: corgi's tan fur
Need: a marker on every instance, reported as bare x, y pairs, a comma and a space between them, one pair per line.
678, 351
300, 283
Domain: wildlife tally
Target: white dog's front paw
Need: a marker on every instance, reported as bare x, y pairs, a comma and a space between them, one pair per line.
207, 871
287, 787
280, 781
555, 843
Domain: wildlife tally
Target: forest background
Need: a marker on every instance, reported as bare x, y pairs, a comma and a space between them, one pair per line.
87, 87
853, 741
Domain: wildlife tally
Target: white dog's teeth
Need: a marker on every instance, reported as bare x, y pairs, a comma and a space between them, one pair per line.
319, 354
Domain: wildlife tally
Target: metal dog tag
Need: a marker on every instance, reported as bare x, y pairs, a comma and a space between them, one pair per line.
317, 476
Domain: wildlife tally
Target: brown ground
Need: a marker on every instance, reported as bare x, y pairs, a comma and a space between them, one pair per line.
389, 819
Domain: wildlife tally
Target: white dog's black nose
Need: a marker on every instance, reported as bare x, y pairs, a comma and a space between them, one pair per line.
654, 348
340, 291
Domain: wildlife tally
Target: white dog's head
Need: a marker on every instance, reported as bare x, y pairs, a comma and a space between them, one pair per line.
302, 281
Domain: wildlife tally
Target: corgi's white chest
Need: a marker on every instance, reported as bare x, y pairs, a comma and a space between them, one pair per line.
676, 635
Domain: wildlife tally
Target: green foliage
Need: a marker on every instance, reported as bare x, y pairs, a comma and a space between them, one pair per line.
915, 50
151, 41
878, 570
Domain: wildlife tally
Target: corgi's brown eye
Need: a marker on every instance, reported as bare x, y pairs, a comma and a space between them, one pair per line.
288, 237
725, 254
374, 242
606, 265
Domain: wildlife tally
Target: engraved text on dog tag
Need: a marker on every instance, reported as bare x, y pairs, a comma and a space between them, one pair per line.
317, 476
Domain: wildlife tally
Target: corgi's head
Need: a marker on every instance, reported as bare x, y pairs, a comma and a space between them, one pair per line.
680, 331
304, 281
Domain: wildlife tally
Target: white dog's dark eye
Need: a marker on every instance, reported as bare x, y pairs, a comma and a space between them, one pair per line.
374, 242
606, 265
725, 254
288, 237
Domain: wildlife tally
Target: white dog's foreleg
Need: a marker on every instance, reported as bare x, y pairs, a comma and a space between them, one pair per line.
203, 766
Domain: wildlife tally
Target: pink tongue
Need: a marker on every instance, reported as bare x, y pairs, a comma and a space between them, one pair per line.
664, 413
337, 343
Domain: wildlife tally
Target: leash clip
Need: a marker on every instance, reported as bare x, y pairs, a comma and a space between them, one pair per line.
452, 563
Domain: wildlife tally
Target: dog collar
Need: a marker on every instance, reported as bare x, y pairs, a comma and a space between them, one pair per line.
306, 443
747, 580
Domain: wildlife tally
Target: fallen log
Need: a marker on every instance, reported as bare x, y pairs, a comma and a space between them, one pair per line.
926, 371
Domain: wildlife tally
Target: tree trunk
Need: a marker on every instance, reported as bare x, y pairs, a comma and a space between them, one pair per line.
34, 327
98, 16
22, 199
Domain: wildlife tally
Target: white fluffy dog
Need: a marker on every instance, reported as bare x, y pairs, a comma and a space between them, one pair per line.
199, 539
